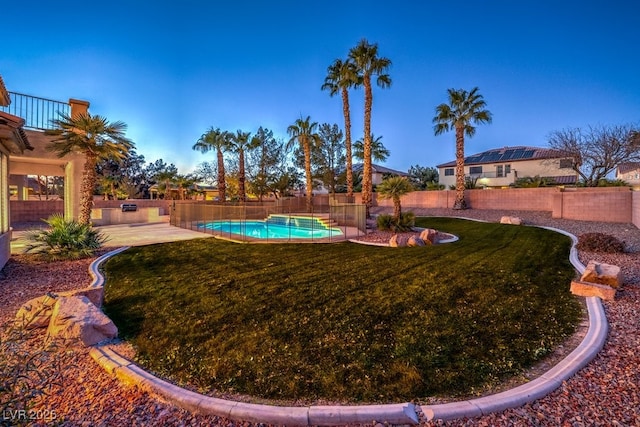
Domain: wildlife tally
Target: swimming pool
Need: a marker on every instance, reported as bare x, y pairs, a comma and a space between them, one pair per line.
269, 230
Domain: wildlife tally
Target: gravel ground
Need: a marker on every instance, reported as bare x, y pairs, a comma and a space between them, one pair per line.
605, 393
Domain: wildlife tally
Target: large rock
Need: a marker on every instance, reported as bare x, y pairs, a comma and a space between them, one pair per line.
513, 220
429, 236
398, 241
36, 312
415, 241
604, 274
77, 318
588, 289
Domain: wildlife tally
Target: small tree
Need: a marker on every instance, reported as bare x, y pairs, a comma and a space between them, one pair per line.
597, 151
394, 188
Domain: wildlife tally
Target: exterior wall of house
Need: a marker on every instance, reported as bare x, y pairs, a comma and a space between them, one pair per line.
488, 177
5, 232
632, 178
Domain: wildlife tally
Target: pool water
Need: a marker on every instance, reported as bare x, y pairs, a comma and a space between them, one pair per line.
268, 230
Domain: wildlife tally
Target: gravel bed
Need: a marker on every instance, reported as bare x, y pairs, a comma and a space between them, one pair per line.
604, 393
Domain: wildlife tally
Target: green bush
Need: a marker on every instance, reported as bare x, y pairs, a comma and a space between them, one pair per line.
599, 242
65, 239
388, 222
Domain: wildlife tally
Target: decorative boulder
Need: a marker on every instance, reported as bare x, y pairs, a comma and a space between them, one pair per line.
398, 241
604, 274
94, 294
513, 220
36, 312
415, 241
429, 236
588, 289
77, 318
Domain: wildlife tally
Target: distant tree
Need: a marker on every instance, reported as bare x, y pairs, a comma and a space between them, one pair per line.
329, 157
379, 152
165, 178
207, 172
132, 179
185, 184
303, 131
94, 137
342, 76
532, 182
423, 177
368, 64
220, 141
597, 151
264, 165
394, 188
463, 110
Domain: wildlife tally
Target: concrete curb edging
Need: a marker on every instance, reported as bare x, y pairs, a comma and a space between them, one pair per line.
402, 413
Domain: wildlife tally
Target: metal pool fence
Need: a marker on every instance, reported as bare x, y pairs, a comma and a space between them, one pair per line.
290, 218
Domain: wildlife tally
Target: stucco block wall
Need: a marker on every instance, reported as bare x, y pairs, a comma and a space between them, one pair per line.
606, 205
34, 210
163, 205
523, 199
635, 215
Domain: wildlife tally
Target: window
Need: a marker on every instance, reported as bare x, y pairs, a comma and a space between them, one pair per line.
448, 172
507, 170
499, 171
566, 163
475, 170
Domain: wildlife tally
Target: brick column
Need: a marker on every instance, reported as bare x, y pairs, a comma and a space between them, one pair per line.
78, 107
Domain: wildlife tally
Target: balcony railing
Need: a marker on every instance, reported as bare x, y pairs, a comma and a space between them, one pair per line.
37, 112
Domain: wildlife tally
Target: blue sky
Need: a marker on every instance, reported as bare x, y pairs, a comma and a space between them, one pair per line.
171, 71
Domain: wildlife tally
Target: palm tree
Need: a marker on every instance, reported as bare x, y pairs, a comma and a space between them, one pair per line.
394, 188
239, 143
220, 140
464, 108
304, 132
342, 76
166, 177
108, 185
379, 152
368, 64
97, 139
184, 184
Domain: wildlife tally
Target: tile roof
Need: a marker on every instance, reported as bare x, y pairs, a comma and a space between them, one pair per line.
4, 95
380, 169
562, 180
628, 167
507, 155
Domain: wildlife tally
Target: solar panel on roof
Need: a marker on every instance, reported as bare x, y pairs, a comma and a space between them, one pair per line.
529, 154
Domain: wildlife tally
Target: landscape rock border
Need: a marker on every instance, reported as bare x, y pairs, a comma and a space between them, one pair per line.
403, 413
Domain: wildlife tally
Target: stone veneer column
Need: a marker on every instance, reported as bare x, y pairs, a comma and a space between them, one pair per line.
74, 168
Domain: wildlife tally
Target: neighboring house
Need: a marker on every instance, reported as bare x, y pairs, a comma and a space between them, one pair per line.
378, 172
501, 167
629, 173
13, 140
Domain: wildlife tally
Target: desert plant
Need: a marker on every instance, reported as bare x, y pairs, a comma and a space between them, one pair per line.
389, 223
65, 239
599, 242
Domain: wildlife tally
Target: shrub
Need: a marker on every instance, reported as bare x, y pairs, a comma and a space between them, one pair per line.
388, 222
599, 242
65, 239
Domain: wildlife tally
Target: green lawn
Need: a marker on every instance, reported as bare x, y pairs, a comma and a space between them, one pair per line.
345, 321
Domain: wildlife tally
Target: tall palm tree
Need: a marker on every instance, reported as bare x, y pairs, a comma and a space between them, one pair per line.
97, 139
239, 143
342, 76
394, 188
379, 152
368, 64
304, 132
218, 140
463, 110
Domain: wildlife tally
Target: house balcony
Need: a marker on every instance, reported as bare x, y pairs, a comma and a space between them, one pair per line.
38, 113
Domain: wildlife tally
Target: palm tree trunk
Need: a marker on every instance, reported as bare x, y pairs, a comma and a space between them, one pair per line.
347, 141
367, 186
307, 172
222, 187
241, 177
460, 202
397, 209
87, 186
